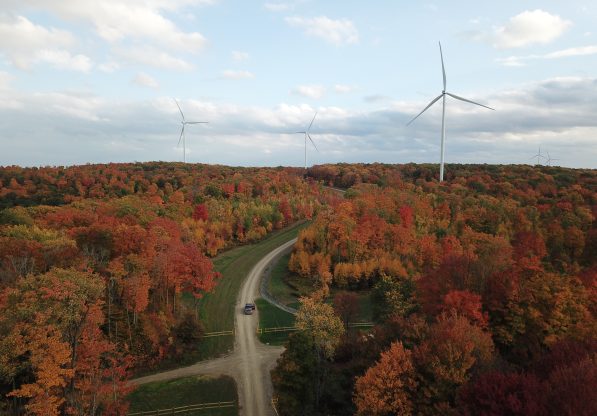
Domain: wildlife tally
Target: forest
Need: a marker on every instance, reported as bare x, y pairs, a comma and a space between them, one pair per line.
94, 261
484, 287
483, 290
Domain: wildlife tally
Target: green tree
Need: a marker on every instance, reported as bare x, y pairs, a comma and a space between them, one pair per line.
393, 296
300, 376
293, 376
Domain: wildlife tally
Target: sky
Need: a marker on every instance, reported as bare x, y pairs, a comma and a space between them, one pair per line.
94, 81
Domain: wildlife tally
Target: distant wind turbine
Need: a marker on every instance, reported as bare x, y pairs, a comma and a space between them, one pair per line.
539, 156
306, 133
443, 97
550, 159
182, 136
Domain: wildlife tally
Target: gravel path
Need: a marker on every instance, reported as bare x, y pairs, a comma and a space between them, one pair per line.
250, 362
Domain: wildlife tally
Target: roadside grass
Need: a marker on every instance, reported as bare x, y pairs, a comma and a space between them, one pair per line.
184, 392
271, 316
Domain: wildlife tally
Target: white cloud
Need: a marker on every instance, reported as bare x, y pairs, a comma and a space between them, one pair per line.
343, 89
64, 60
125, 25
515, 61
115, 20
278, 7
26, 44
528, 28
109, 67
578, 51
144, 80
240, 56
152, 57
310, 91
5, 79
564, 53
232, 74
337, 32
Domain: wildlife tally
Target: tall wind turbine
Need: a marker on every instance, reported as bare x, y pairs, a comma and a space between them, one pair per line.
182, 136
306, 133
443, 97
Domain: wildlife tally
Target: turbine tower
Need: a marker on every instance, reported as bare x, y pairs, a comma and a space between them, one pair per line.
306, 133
182, 136
443, 97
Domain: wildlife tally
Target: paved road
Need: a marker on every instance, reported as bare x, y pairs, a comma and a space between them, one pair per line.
250, 362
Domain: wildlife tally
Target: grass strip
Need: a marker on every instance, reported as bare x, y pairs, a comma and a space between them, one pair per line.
186, 391
271, 316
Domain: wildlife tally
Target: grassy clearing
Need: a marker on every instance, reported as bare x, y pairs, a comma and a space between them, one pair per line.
286, 287
272, 317
186, 391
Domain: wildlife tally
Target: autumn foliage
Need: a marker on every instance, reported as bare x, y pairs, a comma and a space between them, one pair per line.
94, 262
483, 287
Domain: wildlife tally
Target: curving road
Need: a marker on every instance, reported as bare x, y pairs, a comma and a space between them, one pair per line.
254, 383
251, 362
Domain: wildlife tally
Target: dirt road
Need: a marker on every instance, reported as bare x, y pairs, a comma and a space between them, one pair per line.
251, 362
254, 384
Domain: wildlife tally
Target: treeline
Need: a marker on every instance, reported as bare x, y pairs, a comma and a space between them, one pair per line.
483, 291
91, 285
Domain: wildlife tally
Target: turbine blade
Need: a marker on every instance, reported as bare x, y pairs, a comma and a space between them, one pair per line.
443, 69
425, 109
468, 101
309, 128
179, 109
312, 142
196, 122
181, 134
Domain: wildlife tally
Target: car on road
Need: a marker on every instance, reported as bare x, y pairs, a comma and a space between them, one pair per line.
249, 308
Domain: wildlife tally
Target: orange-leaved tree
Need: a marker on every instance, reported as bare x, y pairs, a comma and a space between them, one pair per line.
386, 388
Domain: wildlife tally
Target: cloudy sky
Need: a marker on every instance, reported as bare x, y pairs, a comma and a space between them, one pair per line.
94, 80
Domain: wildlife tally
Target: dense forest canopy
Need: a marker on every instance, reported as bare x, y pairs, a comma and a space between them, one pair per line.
484, 287
116, 246
484, 292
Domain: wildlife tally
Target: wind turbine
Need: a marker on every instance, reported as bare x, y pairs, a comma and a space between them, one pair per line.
182, 136
443, 97
549, 159
539, 156
306, 133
